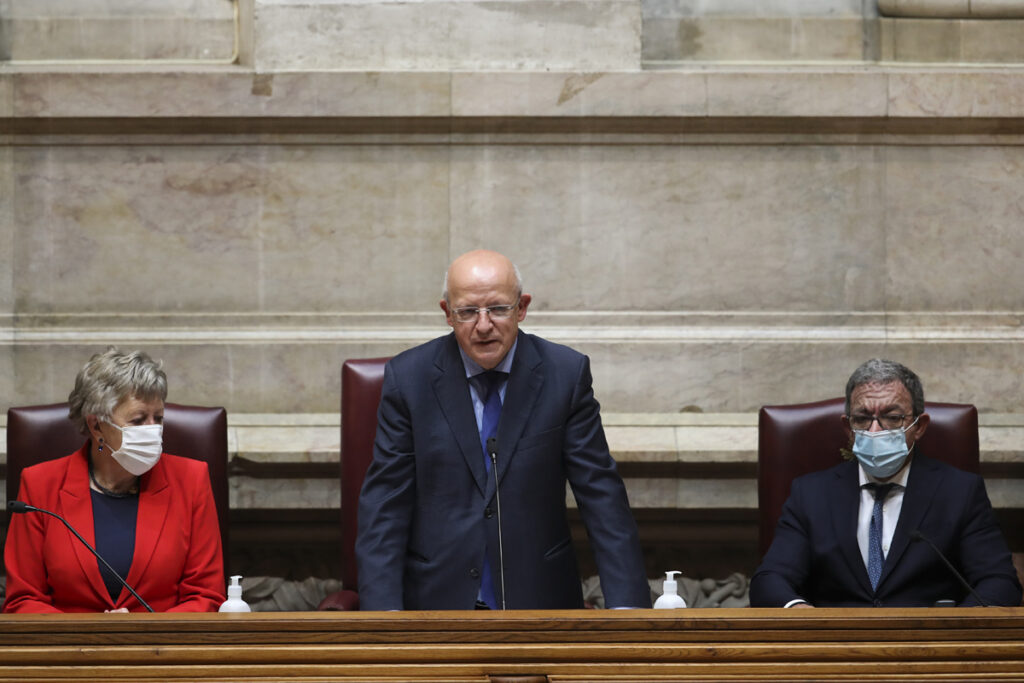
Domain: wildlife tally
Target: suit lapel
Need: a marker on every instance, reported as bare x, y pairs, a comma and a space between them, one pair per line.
524, 388
154, 502
76, 507
846, 510
923, 480
452, 391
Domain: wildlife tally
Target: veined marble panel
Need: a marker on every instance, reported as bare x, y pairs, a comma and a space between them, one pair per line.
953, 238
642, 228
118, 30
221, 228
447, 35
871, 95
675, 40
222, 92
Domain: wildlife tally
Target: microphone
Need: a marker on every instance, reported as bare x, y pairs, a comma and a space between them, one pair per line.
492, 450
916, 535
18, 506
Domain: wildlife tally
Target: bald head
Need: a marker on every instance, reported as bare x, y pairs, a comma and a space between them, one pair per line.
475, 283
481, 264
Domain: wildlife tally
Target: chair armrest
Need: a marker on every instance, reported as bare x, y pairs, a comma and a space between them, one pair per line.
340, 601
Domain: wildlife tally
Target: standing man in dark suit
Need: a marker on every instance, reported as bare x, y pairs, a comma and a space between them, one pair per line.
428, 513
846, 537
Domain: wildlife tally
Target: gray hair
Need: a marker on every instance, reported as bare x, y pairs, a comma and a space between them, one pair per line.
878, 371
515, 269
111, 377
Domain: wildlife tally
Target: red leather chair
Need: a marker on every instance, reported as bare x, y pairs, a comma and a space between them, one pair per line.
798, 439
39, 433
361, 382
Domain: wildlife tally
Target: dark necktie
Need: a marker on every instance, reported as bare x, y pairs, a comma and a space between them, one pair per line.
489, 385
875, 556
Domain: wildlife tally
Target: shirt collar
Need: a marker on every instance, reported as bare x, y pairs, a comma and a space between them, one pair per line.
900, 478
473, 369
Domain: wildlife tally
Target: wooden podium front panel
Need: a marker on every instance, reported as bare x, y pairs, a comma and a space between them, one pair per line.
630, 645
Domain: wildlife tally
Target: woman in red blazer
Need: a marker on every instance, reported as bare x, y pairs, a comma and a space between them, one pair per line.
150, 514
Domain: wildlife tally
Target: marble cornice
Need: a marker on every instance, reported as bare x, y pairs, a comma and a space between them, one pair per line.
601, 327
234, 100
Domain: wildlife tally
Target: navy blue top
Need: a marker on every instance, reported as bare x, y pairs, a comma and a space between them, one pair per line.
114, 520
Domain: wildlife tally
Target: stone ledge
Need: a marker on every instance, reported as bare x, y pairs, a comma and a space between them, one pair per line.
680, 461
710, 93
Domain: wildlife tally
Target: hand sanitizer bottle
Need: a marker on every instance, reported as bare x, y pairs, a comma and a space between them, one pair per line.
670, 598
235, 603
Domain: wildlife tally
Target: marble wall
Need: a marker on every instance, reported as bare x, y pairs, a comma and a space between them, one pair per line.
715, 270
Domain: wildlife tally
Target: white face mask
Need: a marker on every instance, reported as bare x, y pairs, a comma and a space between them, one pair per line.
141, 446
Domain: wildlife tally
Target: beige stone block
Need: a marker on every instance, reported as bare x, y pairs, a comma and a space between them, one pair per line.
798, 92
716, 444
997, 9
1002, 443
648, 493
295, 444
231, 229
716, 493
925, 40
177, 227
70, 39
589, 35
641, 444
211, 92
245, 493
336, 218
925, 8
583, 222
960, 93
579, 94
752, 38
1005, 493
993, 41
956, 212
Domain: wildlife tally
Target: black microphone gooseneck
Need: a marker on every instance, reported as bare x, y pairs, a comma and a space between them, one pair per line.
918, 536
18, 506
492, 449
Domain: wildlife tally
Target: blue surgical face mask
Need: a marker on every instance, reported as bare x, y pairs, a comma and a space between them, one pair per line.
882, 454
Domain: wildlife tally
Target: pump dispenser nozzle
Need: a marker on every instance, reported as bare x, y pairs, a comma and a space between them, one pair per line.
235, 603
670, 597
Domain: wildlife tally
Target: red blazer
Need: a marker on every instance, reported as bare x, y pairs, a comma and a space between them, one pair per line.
177, 565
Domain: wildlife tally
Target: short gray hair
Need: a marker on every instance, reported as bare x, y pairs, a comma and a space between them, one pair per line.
111, 377
878, 371
515, 269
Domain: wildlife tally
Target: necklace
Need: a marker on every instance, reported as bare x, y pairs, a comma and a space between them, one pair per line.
133, 491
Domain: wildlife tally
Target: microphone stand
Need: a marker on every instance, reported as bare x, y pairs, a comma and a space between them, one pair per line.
492, 449
18, 506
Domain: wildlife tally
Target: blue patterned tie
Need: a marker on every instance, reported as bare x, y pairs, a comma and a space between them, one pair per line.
875, 556
489, 384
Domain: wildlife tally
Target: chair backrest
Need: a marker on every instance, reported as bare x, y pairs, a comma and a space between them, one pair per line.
361, 382
794, 440
39, 433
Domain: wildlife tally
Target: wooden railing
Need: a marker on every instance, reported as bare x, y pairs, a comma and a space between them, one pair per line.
636, 645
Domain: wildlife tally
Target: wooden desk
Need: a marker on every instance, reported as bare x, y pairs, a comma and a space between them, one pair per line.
638, 645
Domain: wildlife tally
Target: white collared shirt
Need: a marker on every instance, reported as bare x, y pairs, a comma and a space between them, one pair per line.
890, 508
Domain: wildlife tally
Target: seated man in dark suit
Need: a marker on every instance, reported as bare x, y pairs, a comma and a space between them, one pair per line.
428, 514
846, 537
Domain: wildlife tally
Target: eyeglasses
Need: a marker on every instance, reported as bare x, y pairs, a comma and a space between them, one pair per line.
469, 314
864, 422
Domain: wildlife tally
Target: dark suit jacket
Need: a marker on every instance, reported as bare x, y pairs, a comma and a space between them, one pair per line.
426, 512
815, 555
177, 565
